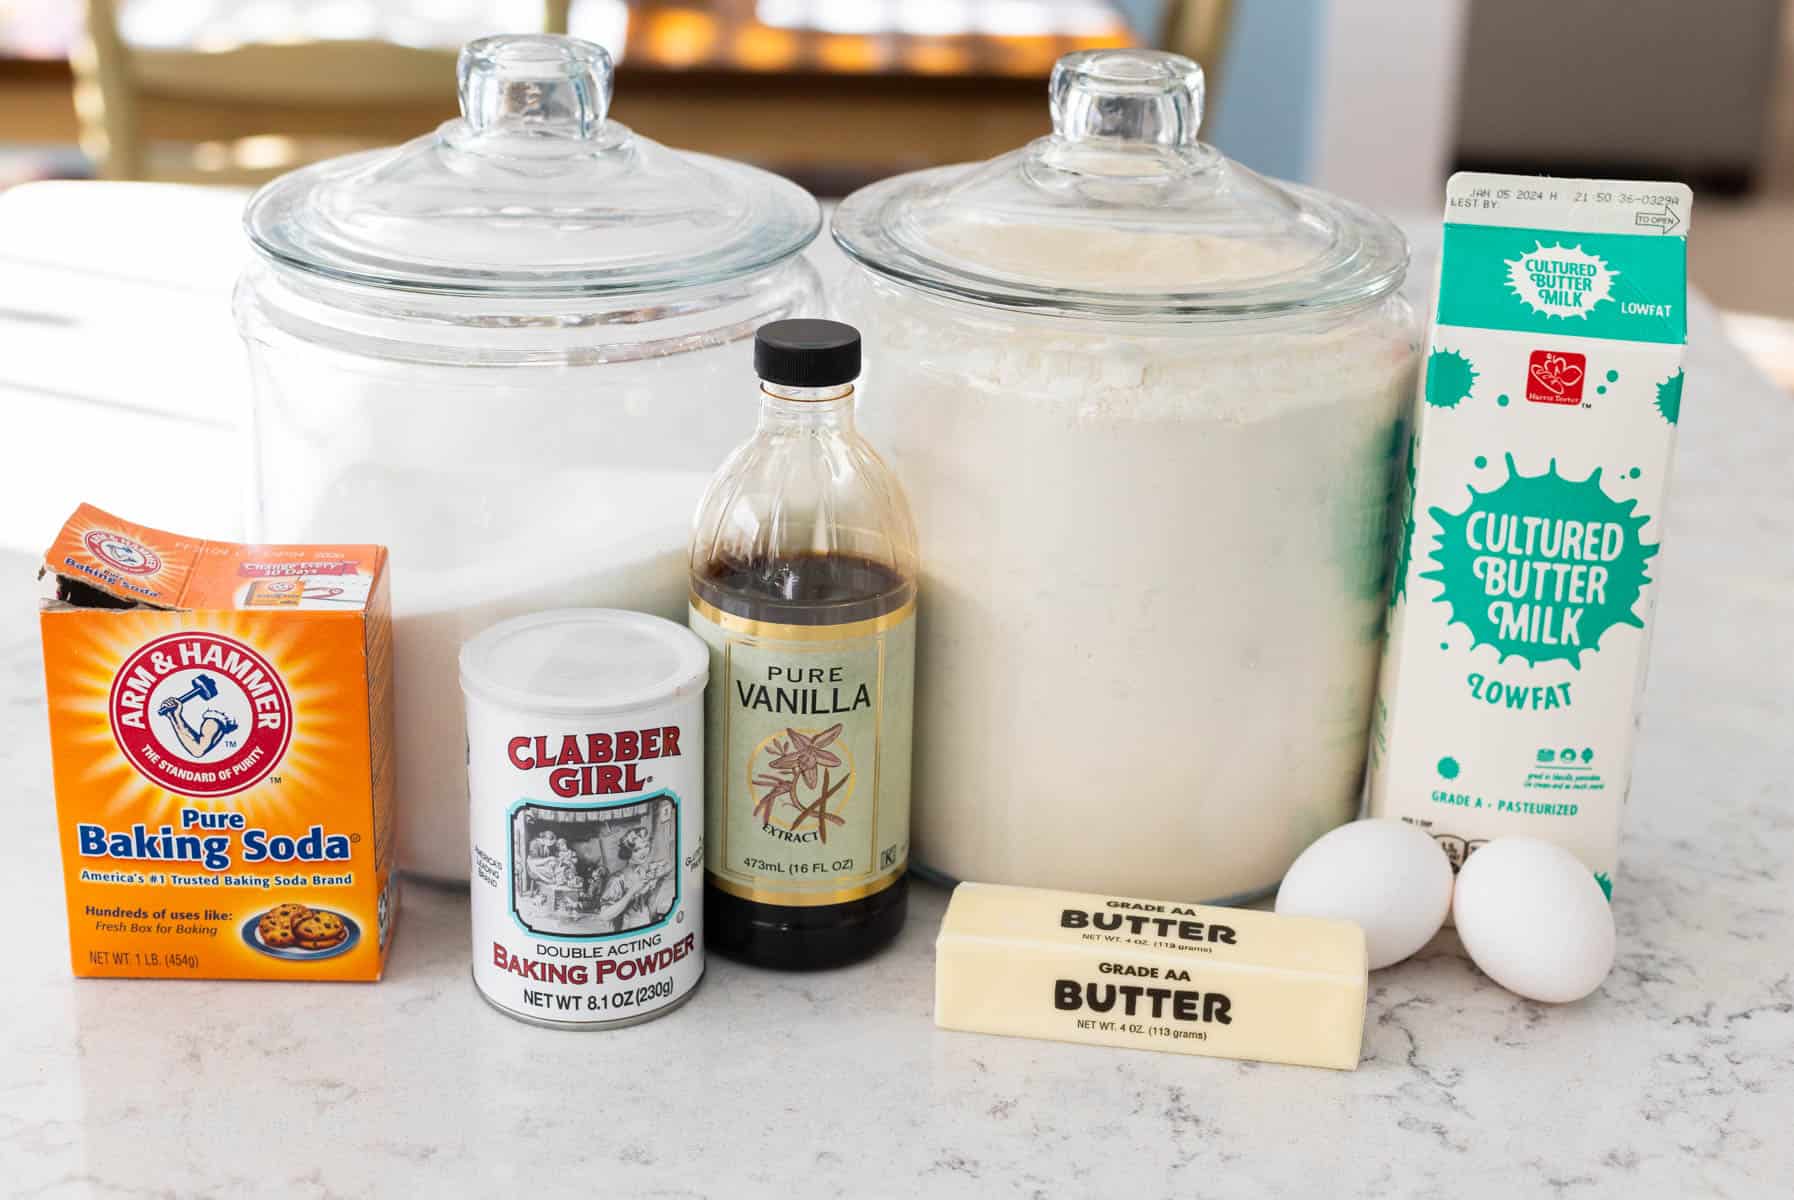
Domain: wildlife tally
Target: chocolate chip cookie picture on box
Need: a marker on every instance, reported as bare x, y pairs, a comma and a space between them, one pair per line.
300, 932
594, 871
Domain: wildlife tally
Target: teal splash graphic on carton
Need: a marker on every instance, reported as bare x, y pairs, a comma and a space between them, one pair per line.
1540, 567
1669, 398
1449, 378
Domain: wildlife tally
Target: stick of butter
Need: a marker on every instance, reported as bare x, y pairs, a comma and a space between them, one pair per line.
1152, 975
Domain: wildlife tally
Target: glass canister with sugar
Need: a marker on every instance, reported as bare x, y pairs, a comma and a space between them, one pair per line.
506, 350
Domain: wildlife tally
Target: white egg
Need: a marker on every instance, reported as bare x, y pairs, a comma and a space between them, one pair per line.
1534, 919
1387, 876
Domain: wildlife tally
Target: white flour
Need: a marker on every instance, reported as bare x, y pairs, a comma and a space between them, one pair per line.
1138, 259
1151, 593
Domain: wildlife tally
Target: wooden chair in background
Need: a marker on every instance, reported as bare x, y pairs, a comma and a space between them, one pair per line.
1198, 29
704, 78
240, 114
867, 105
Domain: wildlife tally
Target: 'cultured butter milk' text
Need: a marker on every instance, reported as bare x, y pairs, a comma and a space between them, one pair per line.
1527, 559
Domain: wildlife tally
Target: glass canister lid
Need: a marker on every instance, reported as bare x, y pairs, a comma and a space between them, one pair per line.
1122, 212
533, 192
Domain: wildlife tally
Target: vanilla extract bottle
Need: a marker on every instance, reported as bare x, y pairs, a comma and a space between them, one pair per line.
803, 583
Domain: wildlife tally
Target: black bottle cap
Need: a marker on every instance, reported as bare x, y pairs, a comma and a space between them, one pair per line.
807, 353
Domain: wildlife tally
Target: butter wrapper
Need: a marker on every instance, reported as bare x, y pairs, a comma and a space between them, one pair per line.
1151, 975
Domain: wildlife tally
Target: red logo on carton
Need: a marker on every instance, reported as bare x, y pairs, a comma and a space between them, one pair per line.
1555, 376
200, 714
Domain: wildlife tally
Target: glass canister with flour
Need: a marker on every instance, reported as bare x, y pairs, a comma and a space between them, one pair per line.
505, 349
1146, 405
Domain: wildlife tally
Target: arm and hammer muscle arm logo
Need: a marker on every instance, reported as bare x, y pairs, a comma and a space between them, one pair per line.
201, 714
122, 553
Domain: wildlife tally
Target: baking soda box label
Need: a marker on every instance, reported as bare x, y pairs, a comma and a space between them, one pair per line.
1527, 558
220, 732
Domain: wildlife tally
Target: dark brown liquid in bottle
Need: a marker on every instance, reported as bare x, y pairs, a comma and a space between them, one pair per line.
805, 589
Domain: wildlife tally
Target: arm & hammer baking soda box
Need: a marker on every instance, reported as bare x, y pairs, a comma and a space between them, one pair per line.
221, 737
1527, 559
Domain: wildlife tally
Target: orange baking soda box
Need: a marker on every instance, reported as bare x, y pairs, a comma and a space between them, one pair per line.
221, 734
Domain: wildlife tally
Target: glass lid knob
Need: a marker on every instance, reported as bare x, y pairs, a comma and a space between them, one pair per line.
1127, 95
535, 83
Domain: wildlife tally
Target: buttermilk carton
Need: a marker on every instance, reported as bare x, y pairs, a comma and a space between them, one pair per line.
1526, 564
221, 738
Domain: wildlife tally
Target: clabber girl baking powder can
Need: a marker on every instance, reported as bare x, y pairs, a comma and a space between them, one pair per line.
585, 768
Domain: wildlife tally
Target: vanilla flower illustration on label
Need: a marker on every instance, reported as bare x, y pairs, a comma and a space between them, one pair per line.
786, 767
1560, 281
1541, 567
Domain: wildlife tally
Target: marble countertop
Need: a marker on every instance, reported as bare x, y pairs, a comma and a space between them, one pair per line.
1675, 1079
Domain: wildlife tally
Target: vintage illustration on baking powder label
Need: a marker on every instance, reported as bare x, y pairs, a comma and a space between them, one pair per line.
587, 848
594, 870
809, 756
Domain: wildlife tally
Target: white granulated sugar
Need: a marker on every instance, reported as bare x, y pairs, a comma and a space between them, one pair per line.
612, 538
1151, 594
498, 492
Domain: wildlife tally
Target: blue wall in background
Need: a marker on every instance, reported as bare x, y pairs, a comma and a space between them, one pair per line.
1265, 113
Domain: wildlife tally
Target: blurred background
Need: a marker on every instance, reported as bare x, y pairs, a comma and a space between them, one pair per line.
1377, 99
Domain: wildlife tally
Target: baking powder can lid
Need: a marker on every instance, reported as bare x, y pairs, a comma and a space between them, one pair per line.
584, 660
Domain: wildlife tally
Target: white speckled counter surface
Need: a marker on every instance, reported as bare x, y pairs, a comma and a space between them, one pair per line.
1675, 1079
